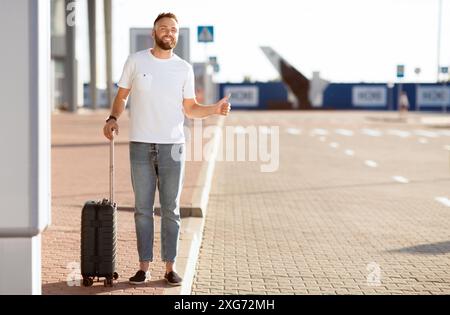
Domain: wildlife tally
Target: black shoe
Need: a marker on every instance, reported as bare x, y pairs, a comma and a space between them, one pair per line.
173, 278
140, 277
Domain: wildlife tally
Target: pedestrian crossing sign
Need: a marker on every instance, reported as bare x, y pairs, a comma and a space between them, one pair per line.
205, 34
400, 71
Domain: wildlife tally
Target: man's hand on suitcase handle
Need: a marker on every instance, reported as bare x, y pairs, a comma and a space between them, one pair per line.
109, 128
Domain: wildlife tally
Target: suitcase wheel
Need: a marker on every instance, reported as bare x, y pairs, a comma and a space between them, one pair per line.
87, 282
115, 276
108, 282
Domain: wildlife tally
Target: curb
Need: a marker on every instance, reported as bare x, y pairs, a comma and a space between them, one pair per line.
436, 121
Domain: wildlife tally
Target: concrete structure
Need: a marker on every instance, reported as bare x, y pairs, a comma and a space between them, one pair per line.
25, 175
298, 85
205, 88
64, 74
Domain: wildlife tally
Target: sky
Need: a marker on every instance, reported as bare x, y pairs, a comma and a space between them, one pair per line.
345, 40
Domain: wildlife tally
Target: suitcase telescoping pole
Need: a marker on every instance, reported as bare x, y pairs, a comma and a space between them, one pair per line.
111, 170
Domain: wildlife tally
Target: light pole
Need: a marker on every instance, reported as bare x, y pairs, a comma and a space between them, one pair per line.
400, 75
92, 21
439, 41
417, 72
107, 7
390, 86
444, 71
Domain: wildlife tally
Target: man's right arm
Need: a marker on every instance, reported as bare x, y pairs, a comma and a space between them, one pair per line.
118, 107
119, 102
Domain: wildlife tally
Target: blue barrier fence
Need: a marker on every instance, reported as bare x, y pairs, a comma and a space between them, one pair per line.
254, 95
344, 96
423, 97
348, 96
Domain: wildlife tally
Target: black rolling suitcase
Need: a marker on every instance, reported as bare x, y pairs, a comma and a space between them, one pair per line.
98, 236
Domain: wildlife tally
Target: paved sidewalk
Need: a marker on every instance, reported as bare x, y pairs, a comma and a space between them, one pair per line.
358, 206
80, 172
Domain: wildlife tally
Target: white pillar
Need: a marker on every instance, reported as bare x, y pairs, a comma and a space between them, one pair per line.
20, 265
25, 142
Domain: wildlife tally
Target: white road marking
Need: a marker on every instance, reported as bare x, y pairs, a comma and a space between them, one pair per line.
350, 152
372, 132
265, 130
371, 163
319, 131
334, 145
400, 179
240, 130
445, 133
344, 132
423, 140
444, 200
293, 131
426, 133
446, 147
400, 133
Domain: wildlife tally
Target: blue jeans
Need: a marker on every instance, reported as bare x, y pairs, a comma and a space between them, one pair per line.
157, 165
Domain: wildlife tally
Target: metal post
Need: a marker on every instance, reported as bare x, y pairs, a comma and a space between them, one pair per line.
70, 61
399, 93
417, 72
417, 98
108, 48
439, 40
390, 86
444, 86
446, 80
111, 170
92, 51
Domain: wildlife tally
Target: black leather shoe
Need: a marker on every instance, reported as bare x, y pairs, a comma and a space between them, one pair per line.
173, 278
140, 277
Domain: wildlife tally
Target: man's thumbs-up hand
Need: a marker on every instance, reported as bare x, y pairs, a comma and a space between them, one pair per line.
223, 106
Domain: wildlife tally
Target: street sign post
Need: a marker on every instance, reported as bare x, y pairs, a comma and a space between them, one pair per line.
417, 71
400, 75
205, 34
400, 71
444, 70
214, 64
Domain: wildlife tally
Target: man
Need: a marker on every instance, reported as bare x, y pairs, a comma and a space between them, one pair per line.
403, 104
162, 88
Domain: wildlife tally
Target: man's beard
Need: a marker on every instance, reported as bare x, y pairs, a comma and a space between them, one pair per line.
165, 45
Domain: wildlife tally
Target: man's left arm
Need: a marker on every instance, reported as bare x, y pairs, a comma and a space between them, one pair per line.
193, 109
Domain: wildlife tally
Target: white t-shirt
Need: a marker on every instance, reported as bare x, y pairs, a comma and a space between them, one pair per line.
158, 87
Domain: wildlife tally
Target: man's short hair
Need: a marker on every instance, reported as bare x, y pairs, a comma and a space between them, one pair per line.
164, 15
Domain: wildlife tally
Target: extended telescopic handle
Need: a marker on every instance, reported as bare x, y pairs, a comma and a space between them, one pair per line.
111, 170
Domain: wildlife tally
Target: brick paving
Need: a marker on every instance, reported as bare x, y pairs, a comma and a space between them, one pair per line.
325, 222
